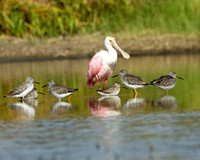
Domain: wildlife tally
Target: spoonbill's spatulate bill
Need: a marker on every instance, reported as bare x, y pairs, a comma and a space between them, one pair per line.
103, 63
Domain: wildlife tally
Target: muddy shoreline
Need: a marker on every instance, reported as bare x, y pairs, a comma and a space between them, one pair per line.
78, 47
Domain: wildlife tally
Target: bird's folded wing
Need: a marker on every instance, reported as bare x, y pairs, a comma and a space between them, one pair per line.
18, 90
60, 89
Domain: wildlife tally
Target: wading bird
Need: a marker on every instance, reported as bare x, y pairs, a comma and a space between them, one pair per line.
166, 82
131, 81
110, 91
59, 91
103, 63
23, 89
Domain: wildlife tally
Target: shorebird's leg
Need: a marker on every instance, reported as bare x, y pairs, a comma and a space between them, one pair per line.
22, 99
69, 98
167, 92
136, 93
104, 86
59, 99
99, 88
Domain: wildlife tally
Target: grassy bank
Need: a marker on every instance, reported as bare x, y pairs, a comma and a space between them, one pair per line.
49, 18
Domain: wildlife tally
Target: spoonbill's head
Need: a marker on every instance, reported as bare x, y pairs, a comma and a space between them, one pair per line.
110, 41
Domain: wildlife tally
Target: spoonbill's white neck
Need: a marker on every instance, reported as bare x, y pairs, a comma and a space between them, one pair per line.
110, 49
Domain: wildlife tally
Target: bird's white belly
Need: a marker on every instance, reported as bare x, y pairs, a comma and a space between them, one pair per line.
134, 86
59, 96
167, 87
25, 92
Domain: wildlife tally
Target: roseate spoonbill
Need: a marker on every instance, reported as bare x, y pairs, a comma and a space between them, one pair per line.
103, 63
166, 82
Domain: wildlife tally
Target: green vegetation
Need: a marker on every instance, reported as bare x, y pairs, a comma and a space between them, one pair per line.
49, 18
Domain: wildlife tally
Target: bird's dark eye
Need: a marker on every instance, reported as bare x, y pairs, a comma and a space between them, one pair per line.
110, 40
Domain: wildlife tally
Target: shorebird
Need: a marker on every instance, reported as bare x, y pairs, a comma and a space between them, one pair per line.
131, 81
23, 89
110, 91
59, 91
103, 63
33, 94
166, 82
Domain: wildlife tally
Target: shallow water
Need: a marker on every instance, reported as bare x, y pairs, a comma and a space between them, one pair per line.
153, 126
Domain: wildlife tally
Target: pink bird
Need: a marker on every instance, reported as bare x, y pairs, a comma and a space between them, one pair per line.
103, 63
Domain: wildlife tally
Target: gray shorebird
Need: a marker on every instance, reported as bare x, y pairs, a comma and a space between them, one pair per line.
33, 94
59, 91
110, 91
166, 82
131, 81
23, 89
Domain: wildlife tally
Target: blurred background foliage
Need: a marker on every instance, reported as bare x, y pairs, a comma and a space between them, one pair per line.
52, 18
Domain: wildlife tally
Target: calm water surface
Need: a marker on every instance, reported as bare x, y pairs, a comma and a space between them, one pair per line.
154, 126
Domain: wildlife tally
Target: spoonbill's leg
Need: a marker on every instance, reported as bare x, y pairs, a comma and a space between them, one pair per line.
167, 92
99, 88
104, 86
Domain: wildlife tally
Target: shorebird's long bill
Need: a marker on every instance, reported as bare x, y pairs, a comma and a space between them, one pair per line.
124, 54
124, 87
41, 93
179, 77
36, 82
115, 76
44, 86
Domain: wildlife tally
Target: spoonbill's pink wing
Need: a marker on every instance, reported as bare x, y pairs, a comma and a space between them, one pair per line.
94, 67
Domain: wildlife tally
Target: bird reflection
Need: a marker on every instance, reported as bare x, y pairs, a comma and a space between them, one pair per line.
134, 104
24, 109
31, 102
167, 101
60, 107
104, 106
